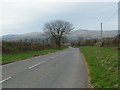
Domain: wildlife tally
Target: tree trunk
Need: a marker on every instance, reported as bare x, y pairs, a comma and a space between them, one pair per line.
58, 42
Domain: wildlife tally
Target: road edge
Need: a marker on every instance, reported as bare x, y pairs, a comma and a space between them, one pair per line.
88, 70
31, 57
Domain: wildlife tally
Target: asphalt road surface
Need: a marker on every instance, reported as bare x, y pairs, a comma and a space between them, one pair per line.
63, 69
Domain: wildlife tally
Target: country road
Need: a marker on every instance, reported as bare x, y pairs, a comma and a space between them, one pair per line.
63, 69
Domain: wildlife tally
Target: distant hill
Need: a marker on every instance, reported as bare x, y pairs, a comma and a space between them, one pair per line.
87, 34
32, 35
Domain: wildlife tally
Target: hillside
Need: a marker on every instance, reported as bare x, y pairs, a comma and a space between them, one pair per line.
87, 34
32, 35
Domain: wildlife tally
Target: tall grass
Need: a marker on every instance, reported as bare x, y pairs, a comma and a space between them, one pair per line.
103, 65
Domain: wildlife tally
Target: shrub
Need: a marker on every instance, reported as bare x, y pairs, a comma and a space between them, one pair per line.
15, 47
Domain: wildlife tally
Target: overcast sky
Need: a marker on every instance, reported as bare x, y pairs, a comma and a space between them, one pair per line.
24, 17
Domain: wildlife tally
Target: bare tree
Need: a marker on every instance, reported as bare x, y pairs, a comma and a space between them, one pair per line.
57, 29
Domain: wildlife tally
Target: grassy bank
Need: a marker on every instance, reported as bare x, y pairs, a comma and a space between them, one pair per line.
103, 65
11, 57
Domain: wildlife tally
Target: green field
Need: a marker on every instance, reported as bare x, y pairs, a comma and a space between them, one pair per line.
11, 57
103, 66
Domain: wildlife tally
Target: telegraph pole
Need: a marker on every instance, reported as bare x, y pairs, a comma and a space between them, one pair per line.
101, 35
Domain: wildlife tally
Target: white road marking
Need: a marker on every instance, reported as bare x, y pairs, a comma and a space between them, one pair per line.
56, 56
59, 54
52, 57
5, 79
36, 65
65, 52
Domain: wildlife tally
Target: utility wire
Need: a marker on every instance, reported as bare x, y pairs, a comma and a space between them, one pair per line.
111, 16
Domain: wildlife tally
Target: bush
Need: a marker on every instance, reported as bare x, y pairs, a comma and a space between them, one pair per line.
15, 47
107, 42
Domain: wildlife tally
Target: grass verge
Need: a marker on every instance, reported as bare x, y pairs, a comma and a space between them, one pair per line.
12, 57
103, 65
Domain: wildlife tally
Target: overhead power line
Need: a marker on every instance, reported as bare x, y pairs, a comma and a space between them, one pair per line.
111, 16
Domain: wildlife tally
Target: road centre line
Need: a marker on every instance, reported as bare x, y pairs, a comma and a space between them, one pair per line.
44, 61
59, 55
5, 79
36, 65
32, 67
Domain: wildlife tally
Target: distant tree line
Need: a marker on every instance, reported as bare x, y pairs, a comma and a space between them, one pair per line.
84, 42
36, 40
107, 42
49, 40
